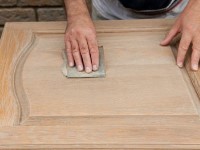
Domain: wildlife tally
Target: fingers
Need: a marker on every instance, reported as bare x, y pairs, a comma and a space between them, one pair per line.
83, 45
183, 48
76, 55
84, 52
94, 52
195, 55
172, 33
70, 58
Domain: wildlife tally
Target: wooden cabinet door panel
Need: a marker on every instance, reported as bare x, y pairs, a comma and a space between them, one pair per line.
145, 101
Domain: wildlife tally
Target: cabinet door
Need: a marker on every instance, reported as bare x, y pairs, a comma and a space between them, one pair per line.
144, 102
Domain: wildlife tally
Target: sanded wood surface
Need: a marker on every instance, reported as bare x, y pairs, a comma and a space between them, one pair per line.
145, 101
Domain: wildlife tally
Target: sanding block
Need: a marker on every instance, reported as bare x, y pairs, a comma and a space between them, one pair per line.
72, 72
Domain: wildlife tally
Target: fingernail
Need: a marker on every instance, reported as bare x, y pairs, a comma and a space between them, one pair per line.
180, 64
80, 68
71, 64
95, 67
195, 67
88, 70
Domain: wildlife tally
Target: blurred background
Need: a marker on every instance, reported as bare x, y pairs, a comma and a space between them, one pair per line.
31, 10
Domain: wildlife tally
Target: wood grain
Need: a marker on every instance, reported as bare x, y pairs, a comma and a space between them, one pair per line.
193, 75
145, 102
13, 42
115, 137
127, 71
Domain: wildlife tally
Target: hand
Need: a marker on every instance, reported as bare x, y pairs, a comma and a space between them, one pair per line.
189, 25
81, 44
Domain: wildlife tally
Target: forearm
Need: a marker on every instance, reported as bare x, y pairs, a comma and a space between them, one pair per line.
76, 8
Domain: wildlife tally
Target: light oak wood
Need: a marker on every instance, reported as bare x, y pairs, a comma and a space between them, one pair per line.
145, 101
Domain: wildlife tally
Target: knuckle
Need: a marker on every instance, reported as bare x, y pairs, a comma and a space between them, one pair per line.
68, 50
93, 46
67, 37
175, 28
79, 32
184, 47
91, 32
172, 31
91, 35
73, 31
70, 34
75, 50
84, 49
196, 50
74, 47
189, 28
93, 50
92, 39
75, 53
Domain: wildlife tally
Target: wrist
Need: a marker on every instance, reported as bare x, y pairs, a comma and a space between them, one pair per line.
77, 17
76, 9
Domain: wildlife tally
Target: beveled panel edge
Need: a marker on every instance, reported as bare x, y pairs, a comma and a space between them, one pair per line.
114, 120
194, 76
17, 87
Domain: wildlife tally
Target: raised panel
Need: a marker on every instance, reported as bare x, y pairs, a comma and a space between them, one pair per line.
144, 102
140, 78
